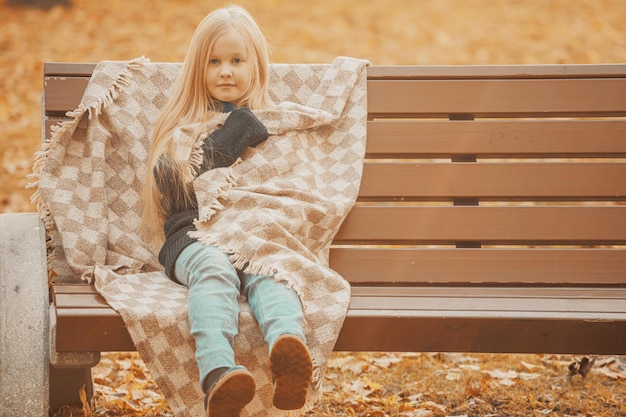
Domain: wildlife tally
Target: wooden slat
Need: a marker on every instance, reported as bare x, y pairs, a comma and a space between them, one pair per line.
68, 69
494, 180
63, 93
84, 319
496, 139
496, 71
385, 330
49, 122
406, 265
64, 84
66, 288
80, 301
490, 225
90, 312
597, 294
497, 97
514, 307
515, 302
509, 320
91, 330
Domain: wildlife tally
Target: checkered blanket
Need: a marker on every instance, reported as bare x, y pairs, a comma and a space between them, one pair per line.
276, 211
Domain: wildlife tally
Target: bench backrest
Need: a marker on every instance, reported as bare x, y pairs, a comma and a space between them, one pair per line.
475, 174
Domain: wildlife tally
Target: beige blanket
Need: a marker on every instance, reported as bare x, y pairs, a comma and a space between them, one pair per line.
276, 210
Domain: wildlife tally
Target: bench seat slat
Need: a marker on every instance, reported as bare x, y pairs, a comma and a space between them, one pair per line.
494, 180
493, 97
92, 312
83, 301
520, 307
477, 291
517, 301
496, 138
66, 288
406, 265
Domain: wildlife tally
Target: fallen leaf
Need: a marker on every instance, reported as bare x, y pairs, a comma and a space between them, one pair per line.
417, 413
531, 366
453, 375
386, 361
609, 373
83, 399
498, 374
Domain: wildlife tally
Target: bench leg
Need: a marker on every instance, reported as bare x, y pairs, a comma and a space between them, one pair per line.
66, 384
24, 354
69, 372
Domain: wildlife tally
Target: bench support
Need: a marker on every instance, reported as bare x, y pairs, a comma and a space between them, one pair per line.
69, 372
66, 384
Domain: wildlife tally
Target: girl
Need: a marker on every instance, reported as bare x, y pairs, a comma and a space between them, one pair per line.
226, 69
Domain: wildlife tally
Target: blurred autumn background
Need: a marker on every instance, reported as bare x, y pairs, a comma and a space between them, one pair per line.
403, 32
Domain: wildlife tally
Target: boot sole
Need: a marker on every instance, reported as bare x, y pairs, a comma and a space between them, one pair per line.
231, 394
292, 369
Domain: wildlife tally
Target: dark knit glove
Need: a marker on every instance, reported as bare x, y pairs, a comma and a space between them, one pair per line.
241, 130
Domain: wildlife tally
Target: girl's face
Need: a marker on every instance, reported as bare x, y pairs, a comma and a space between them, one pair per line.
229, 72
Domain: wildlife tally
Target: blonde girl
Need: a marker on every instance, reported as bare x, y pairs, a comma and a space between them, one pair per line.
225, 70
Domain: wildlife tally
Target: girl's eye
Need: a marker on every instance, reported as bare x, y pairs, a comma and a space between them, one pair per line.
214, 61
237, 61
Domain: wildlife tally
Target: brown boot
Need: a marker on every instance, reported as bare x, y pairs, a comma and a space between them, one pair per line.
292, 369
231, 393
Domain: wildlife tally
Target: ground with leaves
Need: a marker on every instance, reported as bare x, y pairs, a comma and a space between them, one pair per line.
408, 385
426, 32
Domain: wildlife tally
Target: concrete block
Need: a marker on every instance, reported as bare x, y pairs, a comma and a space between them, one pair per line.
24, 332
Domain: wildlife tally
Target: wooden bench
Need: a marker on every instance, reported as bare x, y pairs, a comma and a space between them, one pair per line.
491, 217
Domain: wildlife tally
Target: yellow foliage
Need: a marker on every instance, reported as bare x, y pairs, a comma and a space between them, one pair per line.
400, 32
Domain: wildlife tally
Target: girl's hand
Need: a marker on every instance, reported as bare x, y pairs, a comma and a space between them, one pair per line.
244, 122
241, 130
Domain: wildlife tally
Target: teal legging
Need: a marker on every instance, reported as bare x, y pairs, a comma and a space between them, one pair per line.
213, 308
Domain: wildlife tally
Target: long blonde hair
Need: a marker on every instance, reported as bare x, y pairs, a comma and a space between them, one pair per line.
191, 102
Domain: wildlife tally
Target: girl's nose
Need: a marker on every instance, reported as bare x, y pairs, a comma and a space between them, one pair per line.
225, 72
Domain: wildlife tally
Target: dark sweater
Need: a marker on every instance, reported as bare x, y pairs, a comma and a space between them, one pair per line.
221, 149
